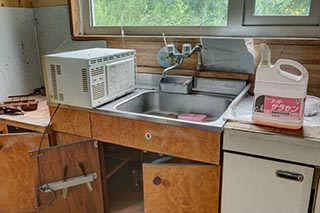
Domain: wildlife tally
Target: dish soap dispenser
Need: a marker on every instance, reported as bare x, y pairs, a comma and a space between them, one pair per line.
279, 95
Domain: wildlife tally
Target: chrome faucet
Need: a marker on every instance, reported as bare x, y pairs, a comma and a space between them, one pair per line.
186, 53
170, 68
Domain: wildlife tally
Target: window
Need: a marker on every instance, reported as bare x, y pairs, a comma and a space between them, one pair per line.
159, 13
263, 18
281, 12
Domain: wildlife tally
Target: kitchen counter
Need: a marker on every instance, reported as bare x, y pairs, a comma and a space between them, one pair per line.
36, 120
300, 146
240, 119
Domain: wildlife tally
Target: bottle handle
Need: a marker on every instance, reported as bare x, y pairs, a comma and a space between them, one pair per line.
295, 64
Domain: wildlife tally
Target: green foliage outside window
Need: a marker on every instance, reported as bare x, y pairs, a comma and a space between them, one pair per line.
160, 12
184, 12
282, 7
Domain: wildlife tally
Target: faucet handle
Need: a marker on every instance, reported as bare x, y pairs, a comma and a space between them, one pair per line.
170, 48
186, 48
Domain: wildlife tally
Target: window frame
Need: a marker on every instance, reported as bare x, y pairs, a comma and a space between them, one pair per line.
236, 27
251, 20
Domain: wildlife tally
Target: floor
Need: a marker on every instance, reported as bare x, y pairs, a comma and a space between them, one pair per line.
126, 200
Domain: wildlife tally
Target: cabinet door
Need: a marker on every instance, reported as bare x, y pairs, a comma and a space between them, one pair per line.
53, 164
316, 207
252, 184
17, 189
173, 188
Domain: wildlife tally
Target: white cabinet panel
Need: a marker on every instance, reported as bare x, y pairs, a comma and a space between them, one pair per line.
317, 200
251, 185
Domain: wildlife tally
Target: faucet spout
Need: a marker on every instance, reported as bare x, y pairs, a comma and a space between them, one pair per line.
181, 56
164, 73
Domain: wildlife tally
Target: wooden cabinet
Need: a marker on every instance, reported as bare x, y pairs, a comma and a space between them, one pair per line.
183, 187
175, 188
72, 121
53, 162
189, 143
16, 176
252, 184
187, 187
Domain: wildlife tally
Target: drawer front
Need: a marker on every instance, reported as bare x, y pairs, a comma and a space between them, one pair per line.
273, 146
173, 188
71, 121
182, 142
252, 184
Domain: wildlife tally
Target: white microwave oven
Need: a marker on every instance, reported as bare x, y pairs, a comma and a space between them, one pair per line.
90, 77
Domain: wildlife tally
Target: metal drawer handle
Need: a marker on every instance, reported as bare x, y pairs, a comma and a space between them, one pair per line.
289, 175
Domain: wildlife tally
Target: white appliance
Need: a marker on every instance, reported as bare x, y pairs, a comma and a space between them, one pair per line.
90, 77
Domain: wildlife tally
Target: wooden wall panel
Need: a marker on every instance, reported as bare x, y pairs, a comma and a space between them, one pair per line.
16, 178
16, 3
306, 52
46, 3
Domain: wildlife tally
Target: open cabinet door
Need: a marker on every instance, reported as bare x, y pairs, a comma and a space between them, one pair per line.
53, 164
173, 188
17, 188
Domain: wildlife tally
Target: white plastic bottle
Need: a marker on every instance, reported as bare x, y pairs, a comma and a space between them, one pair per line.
279, 95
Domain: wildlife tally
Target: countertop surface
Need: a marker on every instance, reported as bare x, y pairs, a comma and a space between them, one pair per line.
39, 117
240, 119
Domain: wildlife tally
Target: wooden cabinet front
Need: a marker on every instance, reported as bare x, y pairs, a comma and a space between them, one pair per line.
189, 143
173, 188
71, 121
16, 177
65, 162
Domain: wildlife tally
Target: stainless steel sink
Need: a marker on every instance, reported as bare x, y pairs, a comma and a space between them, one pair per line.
170, 105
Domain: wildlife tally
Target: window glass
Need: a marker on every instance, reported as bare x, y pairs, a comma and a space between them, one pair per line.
282, 7
159, 12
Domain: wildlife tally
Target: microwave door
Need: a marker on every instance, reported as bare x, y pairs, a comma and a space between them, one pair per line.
120, 77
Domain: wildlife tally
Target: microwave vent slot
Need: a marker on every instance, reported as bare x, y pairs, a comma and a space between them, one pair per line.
58, 68
54, 81
98, 91
85, 85
98, 71
61, 96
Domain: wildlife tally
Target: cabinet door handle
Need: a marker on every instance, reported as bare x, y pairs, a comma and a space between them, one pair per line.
289, 175
148, 136
156, 180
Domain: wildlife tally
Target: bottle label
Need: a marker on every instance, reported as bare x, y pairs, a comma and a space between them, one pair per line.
278, 106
